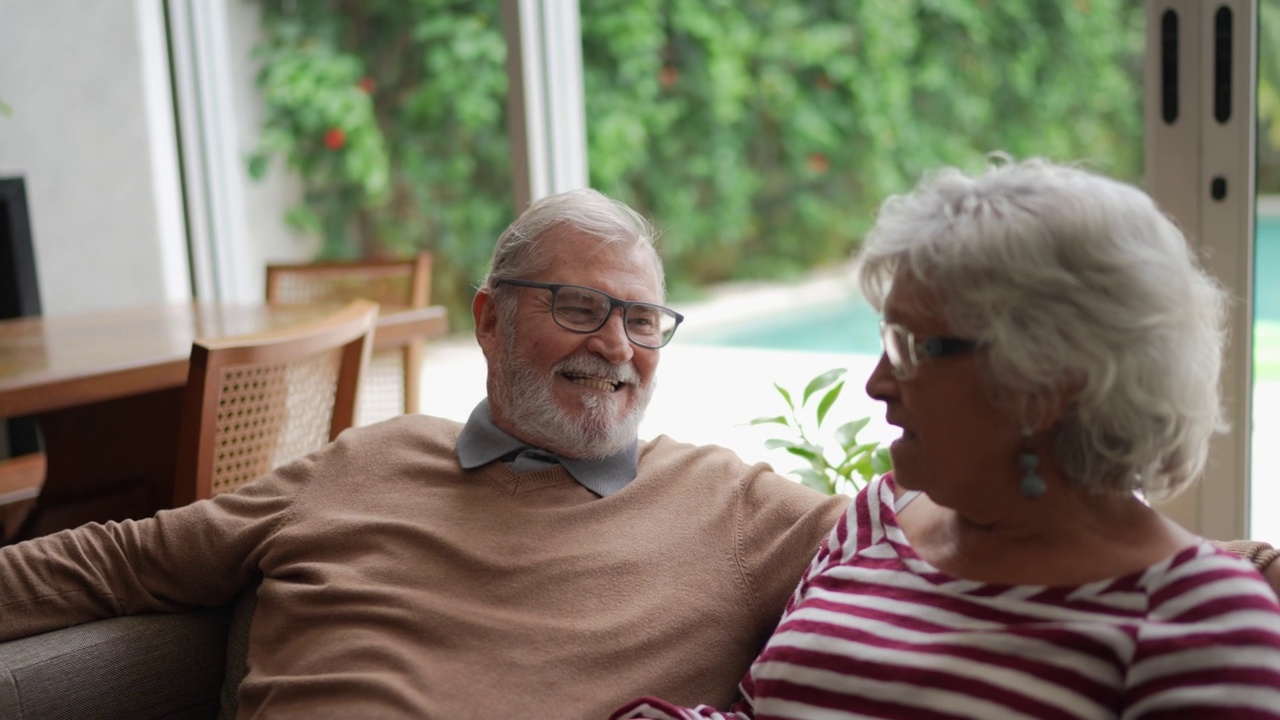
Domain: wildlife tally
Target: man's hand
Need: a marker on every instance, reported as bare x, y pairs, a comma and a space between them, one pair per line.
1272, 574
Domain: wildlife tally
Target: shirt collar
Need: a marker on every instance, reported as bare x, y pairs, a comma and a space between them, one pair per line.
481, 442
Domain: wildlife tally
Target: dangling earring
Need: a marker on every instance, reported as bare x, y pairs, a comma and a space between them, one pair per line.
1032, 485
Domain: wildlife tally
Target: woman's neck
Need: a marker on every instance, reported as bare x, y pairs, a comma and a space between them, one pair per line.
1067, 537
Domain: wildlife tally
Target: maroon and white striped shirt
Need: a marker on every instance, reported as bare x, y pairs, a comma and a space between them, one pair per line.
873, 631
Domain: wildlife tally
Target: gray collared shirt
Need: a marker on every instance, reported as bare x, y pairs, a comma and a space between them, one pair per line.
481, 442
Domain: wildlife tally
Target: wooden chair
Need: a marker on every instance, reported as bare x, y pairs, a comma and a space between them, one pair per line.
20, 481
393, 381
257, 401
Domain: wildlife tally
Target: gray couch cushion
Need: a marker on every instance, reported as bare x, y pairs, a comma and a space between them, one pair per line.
166, 667
237, 652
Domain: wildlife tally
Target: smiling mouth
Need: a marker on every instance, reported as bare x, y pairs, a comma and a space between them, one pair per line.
595, 383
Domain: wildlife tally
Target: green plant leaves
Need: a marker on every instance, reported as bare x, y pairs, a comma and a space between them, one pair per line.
759, 136
859, 461
827, 401
820, 382
847, 434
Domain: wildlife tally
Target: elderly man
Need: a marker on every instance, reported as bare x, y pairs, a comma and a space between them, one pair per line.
536, 561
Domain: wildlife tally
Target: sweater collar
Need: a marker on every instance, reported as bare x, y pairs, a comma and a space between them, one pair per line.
481, 442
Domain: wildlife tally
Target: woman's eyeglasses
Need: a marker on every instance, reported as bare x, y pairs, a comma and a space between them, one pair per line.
906, 351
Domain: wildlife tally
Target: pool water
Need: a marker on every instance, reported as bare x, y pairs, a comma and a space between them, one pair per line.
852, 327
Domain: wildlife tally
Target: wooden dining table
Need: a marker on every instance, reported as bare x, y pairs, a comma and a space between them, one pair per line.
106, 392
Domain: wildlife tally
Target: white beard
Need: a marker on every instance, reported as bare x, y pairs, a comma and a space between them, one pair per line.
528, 402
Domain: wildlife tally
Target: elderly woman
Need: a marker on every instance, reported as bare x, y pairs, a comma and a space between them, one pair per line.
1051, 354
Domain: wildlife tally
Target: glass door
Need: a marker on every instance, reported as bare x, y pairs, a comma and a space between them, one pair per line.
1264, 506
1200, 166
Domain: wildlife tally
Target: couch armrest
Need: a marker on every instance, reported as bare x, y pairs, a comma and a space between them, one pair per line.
161, 666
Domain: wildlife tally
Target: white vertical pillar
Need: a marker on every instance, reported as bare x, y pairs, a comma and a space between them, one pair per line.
223, 263
1201, 80
158, 97
546, 111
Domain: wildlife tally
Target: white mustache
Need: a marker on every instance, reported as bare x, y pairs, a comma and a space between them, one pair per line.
595, 367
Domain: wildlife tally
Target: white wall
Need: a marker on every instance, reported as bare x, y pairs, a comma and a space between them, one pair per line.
265, 201
92, 133
105, 215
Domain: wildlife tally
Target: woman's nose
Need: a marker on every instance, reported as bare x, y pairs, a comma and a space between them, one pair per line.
882, 384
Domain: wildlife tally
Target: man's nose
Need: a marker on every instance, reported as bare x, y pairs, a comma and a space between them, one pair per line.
610, 341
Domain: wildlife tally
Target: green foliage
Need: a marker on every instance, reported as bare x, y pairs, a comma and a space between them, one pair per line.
763, 134
855, 463
1269, 96
759, 134
417, 89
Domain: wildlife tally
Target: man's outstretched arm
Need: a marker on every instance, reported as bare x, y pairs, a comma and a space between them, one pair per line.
1262, 555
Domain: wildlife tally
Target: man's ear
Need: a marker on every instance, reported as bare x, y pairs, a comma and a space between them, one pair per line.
484, 312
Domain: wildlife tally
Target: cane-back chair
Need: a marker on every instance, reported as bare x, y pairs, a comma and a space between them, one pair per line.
392, 382
257, 401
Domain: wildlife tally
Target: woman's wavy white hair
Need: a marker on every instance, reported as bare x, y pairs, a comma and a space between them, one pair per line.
1076, 287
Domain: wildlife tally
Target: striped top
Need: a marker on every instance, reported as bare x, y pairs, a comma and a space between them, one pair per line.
873, 631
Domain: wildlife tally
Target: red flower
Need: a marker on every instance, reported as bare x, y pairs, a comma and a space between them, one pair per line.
367, 85
667, 76
818, 163
334, 138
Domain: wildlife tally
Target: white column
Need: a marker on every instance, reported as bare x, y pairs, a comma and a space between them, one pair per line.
223, 262
547, 116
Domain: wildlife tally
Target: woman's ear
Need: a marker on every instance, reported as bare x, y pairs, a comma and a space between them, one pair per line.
1043, 412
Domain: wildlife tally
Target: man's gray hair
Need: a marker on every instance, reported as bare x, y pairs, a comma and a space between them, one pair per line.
520, 251
1070, 282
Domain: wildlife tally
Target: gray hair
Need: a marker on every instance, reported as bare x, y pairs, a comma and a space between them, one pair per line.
520, 250
1071, 282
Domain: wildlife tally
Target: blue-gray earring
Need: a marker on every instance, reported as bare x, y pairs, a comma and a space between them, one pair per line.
1032, 485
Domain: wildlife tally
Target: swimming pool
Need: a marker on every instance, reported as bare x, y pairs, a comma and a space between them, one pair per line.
850, 326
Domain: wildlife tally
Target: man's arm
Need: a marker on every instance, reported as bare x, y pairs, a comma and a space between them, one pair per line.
1262, 555
199, 554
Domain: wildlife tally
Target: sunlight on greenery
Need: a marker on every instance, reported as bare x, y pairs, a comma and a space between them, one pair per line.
760, 136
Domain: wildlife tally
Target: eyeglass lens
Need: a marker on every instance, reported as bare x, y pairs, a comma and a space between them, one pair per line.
896, 341
585, 310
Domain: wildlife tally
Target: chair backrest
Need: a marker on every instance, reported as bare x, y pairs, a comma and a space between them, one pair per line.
392, 380
254, 402
404, 283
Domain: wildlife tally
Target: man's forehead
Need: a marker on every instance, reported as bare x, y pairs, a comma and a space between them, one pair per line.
579, 258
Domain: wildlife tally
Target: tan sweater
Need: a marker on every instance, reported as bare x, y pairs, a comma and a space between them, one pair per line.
396, 584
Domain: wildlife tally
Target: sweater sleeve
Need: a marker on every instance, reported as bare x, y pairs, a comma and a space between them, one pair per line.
651, 708
199, 554
782, 524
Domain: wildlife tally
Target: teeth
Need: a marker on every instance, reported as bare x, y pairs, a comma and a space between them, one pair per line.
595, 383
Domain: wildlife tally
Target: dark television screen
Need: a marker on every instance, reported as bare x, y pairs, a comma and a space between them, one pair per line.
19, 295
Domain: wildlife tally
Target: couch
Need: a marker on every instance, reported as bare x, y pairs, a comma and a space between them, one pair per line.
181, 666
170, 666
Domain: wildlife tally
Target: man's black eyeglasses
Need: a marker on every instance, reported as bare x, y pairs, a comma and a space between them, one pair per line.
586, 310
906, 351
